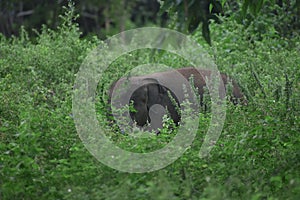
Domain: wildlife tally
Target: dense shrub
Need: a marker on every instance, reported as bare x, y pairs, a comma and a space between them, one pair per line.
42, 157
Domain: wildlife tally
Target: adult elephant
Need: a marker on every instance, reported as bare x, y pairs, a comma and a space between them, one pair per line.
166, 90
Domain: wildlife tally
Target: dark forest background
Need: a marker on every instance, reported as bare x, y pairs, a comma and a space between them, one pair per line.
107, 17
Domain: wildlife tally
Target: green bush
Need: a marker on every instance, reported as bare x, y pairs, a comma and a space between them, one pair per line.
42, 157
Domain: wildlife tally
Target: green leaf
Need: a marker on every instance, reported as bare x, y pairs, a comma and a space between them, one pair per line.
223, 3
259, 5
245, 8
166, 5
210, 8
255, 6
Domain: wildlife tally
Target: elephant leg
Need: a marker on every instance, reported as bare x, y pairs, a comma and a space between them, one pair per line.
173, 107
140, 114
156, 113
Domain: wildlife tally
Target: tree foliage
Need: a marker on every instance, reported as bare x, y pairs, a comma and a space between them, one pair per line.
256, 157
95, 16
105, 18
191, 14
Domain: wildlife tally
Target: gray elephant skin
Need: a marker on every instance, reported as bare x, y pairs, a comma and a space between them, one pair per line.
157, 89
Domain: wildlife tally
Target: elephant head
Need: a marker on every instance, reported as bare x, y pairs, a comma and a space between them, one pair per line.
149, 95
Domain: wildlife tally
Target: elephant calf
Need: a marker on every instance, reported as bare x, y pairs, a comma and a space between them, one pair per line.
157, 89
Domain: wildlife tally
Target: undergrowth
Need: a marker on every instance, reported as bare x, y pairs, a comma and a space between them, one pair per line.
42, 156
